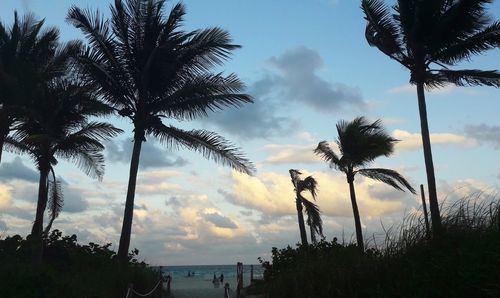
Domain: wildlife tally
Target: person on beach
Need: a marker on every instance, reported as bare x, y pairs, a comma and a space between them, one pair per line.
215, 281
221, 277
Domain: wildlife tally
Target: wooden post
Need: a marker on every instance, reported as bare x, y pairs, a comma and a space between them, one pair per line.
424, 206
239, 276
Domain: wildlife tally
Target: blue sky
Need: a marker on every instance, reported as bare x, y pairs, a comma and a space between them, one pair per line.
307, 64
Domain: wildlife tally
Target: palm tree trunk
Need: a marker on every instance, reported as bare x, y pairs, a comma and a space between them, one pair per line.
300, 216
429, 165
37, 229
129, 203
355, 211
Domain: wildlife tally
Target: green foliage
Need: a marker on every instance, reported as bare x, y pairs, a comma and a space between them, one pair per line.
69, 269
464, 262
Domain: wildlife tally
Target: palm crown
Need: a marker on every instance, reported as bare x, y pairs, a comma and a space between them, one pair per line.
429, 36
29, 57
149, 70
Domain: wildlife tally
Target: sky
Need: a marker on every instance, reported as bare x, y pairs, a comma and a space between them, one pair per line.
307, 66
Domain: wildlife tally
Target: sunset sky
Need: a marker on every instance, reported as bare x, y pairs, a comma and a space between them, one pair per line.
307, 65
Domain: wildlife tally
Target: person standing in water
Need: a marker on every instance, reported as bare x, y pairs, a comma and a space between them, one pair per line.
221, 277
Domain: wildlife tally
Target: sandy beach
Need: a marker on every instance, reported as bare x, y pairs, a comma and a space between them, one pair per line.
193, 287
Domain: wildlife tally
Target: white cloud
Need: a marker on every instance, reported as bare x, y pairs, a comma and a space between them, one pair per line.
413, 141
291, 153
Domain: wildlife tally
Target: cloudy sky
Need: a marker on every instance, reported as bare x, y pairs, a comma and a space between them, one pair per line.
307, 65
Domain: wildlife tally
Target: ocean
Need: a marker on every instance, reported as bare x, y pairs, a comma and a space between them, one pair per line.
201, 276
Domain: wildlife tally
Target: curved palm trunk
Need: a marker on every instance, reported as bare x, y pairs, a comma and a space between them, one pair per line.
429, 165
300, 216
37, 229
355, 211
129, 203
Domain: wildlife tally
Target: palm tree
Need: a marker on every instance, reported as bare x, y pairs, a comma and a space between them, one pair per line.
360, 143
312, 210
58, 126
150, 71
28, 56
427, 37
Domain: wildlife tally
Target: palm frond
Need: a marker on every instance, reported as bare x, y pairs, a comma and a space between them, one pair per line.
486, 39
470, 77
201, 94
55, 201
15, 146
96, 29
326, 153
381, 30
310, 184
389, 177
209, 144
100, 131
313, 215
88, 158
207, 48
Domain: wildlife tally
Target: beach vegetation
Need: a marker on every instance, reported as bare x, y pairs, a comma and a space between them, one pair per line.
70, 269
401, 263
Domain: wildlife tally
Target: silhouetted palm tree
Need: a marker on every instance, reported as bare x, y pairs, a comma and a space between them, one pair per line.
58, 126
26, 59
360, 143
150, 71
427, 37
312, 210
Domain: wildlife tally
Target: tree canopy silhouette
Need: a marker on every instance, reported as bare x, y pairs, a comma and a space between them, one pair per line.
311, 209
28, 57
360, 143
150, 71
59, 126
428, 37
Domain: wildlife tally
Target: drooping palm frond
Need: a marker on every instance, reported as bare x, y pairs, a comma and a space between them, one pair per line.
313, 216
209, 144
55, 201
87, 157
13, 145
387, 176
